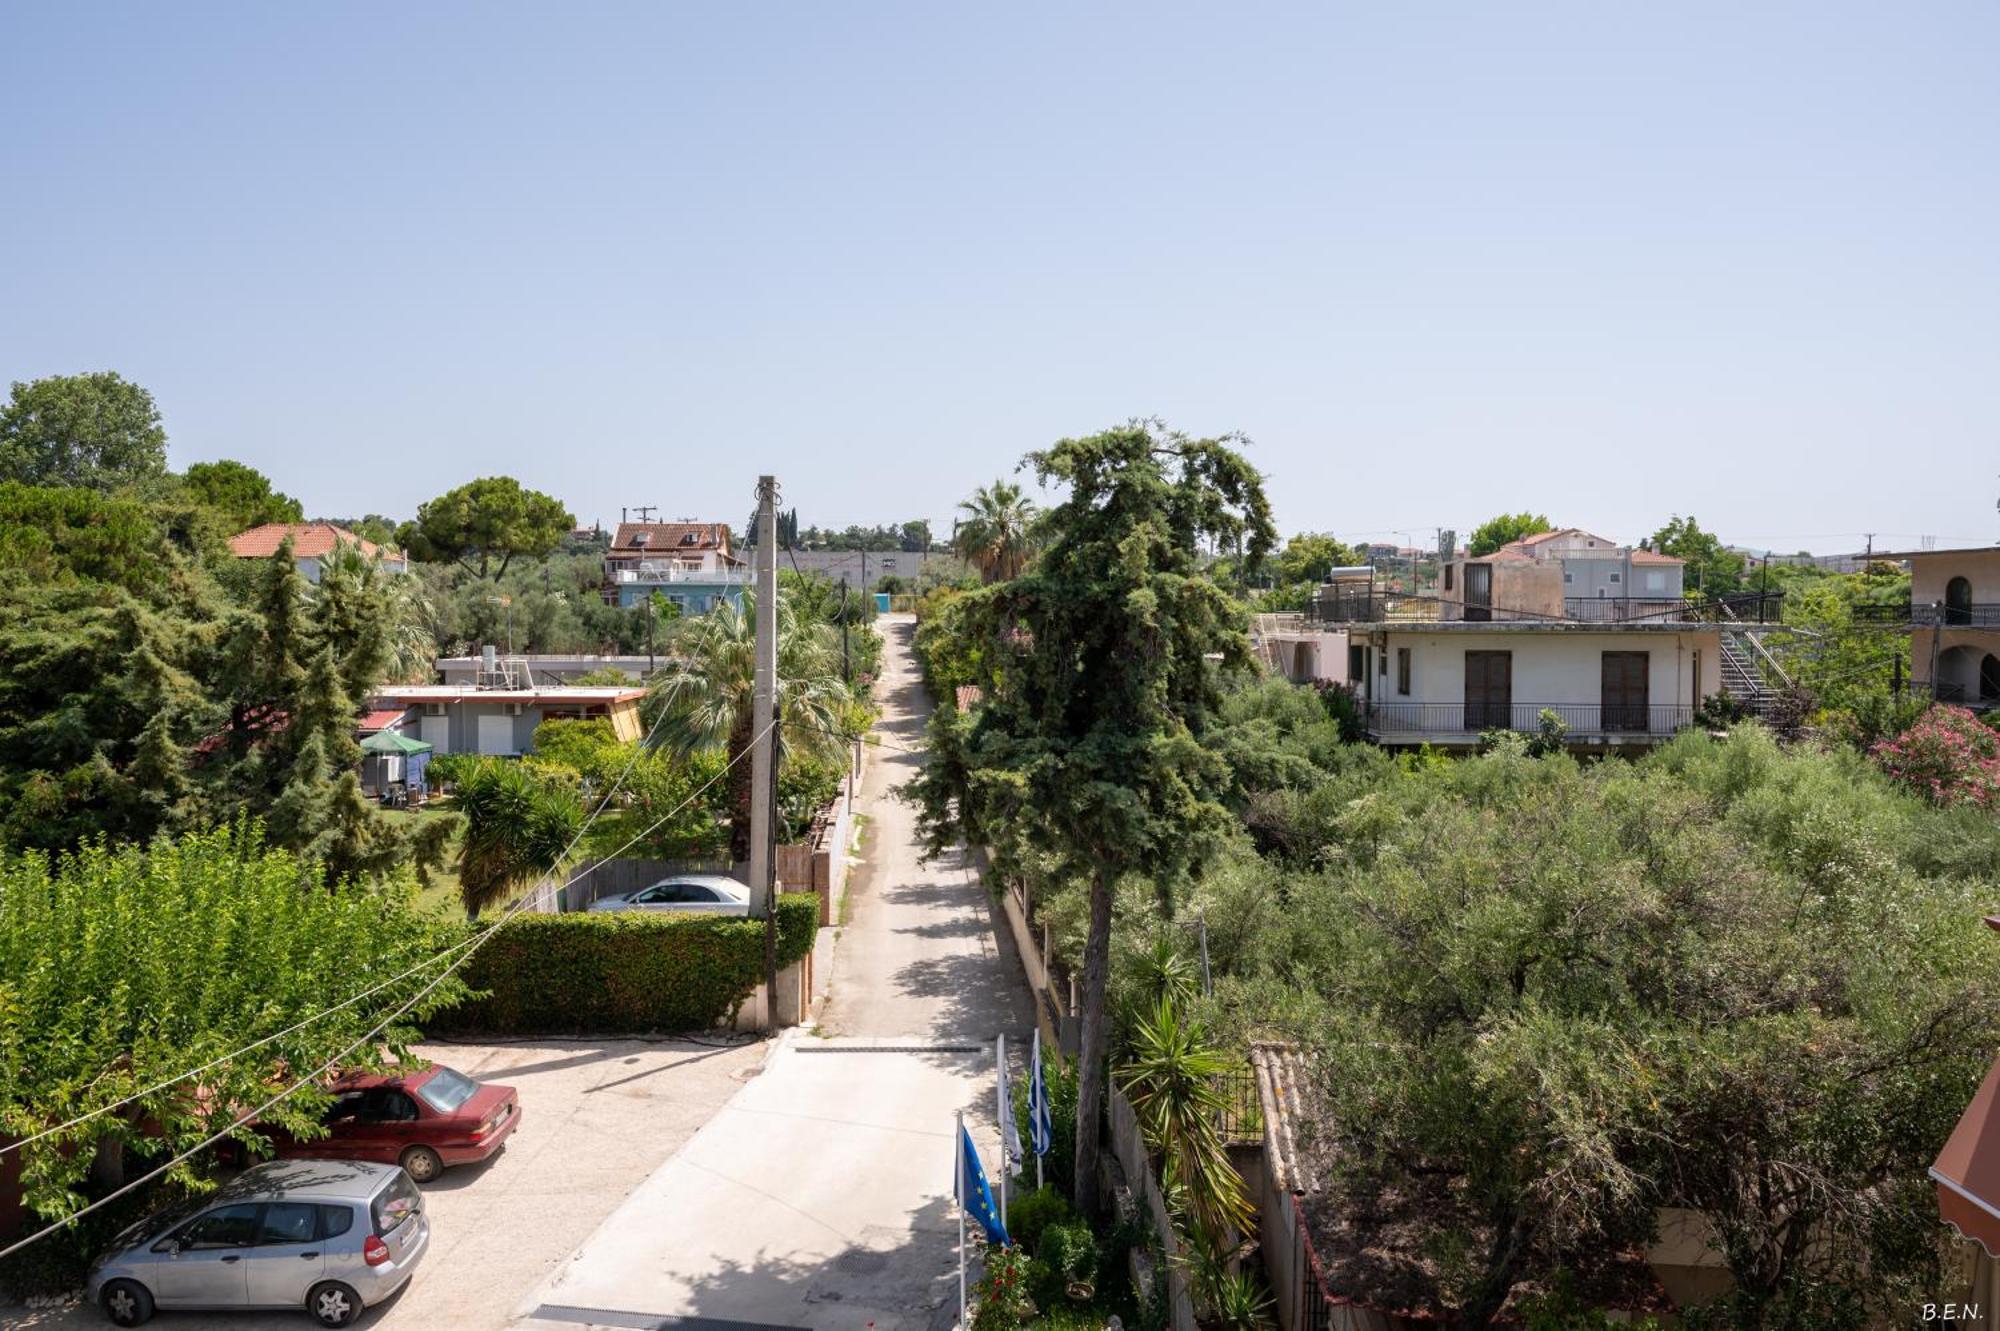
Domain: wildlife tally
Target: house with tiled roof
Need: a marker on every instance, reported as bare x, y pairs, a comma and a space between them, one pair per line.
312, 543
689, 563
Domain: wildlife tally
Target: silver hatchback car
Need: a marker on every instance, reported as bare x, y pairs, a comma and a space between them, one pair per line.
329, 1236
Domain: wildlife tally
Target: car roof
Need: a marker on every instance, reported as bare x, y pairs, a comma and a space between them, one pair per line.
307, 1180
723, 881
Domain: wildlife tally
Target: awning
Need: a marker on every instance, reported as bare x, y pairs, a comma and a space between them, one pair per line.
388, 741
1967, 1171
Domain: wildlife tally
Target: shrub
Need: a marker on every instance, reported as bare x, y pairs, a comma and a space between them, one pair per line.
1948, 757
1030, 1213
1070, 1252
623, 970
1001, 1297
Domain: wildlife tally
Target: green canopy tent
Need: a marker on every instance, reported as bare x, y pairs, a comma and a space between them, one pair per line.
385, 746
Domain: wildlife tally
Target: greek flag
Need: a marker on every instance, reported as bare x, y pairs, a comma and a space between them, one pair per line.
1041, 1124
1003, 1094
975, 1199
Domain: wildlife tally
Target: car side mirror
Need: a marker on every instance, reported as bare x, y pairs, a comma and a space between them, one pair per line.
172, 1246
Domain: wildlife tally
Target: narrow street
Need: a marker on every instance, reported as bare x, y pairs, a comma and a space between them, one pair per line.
820, 1194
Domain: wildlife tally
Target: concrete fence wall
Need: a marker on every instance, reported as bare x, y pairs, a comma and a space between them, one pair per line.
1130, 1148
1053, 1011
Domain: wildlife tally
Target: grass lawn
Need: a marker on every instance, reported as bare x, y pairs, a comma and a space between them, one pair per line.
441, 896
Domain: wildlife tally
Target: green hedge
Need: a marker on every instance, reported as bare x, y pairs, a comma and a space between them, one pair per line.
615, 971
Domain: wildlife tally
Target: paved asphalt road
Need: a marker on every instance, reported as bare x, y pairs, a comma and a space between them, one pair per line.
820, 1196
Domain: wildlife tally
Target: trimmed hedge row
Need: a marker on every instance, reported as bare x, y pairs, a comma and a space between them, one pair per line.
618, 971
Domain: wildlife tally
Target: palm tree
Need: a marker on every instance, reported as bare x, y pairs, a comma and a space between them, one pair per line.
518, 826
703, 696
996, 535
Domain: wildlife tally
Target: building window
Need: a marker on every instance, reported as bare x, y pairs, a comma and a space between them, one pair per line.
1568, 578
1382, 664
1403, 671
1447, 577
1614, 577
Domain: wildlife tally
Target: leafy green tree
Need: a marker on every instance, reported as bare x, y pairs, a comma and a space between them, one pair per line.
1096, 681
1493, 533
53, 534
241, 494
996, 535
705, 691
1543, 999
483, 520
95, 430
122, 966
519, 825
1711, 569
1311, 558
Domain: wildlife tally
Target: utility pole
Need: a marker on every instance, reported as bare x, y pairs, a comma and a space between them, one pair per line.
764, 745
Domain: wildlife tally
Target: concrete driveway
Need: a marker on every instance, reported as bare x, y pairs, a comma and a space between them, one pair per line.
820, 1196
597, 1117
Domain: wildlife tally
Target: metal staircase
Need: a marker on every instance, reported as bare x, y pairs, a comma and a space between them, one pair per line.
1749, 672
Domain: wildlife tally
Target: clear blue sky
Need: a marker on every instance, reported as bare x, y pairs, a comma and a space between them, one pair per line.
1611, 261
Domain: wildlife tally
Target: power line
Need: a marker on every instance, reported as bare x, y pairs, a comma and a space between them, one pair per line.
347, 1003
383, 1025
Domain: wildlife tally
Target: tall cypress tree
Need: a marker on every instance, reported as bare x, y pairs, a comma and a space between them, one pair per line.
1097, 687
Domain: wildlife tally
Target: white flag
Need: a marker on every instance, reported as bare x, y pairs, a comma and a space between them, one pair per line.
1010, 1136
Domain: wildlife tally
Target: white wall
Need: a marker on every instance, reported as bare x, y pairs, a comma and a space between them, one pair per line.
1552, 668
1930, 573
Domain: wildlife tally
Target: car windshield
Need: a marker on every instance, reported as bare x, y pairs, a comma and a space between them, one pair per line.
447, 1090
159, 1222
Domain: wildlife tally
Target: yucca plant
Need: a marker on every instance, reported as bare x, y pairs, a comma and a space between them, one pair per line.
1170, 1079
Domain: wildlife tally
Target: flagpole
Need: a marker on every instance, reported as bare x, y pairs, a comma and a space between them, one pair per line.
958, 1191
1000, 1109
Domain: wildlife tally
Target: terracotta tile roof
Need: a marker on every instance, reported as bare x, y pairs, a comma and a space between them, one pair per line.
968, 697
380, 719
310, 540
657, 537
1654, 557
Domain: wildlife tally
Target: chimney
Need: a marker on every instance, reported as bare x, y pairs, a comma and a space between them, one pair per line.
489, 660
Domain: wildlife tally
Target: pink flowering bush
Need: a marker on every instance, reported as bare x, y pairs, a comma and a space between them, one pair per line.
1949, 757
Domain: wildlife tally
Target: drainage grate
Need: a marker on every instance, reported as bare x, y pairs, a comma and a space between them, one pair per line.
892, 1049
555, 1312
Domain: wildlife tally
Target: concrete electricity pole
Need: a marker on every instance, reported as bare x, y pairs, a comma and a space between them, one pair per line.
764, 747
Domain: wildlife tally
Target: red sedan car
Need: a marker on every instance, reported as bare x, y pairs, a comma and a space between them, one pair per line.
422, 1121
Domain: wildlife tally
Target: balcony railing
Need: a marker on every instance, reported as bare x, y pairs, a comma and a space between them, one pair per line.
1579, 719
1978, 615
1377, 607
677, 573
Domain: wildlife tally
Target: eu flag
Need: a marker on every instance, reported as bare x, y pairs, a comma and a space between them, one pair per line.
974, 1197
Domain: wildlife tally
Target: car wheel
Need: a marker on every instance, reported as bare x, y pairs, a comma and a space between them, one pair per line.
333, 1304
127, 1303
422, 1163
